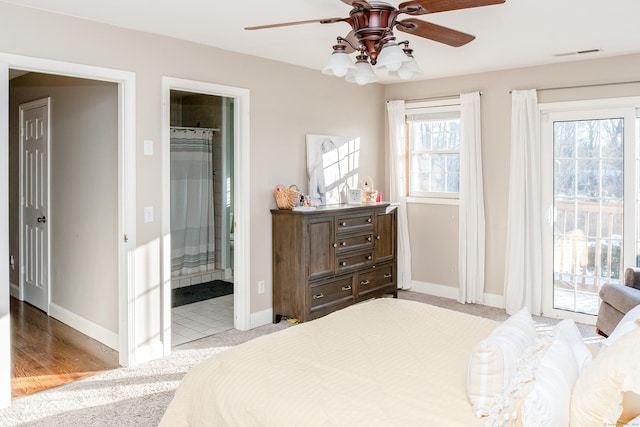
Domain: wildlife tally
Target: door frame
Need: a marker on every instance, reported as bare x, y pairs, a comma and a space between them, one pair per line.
241, 177
44, 102
126, 200
576, 110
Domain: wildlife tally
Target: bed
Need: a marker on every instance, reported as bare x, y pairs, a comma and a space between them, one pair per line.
379, 363
392, 362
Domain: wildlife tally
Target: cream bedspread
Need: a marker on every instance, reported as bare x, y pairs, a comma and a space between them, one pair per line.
384, 362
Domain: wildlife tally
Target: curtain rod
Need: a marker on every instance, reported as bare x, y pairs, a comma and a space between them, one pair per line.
435, 98
192, 128
586, 85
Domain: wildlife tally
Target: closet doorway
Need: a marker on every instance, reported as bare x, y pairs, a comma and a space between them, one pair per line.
201, 148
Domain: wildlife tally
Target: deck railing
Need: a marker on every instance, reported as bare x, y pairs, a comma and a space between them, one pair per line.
587, 244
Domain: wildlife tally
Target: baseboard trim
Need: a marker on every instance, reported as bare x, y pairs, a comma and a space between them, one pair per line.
87, 327
146, 353
450, 292
14, 290
261, 318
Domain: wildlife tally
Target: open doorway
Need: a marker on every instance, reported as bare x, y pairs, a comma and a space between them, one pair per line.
128, 352
76, 179
201, 208
238, 101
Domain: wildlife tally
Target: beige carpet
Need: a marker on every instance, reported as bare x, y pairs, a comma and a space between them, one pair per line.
138, 396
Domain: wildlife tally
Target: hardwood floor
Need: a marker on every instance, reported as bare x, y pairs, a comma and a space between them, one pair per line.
46, 353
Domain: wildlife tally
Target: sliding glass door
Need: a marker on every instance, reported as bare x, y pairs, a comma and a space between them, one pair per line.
590, 191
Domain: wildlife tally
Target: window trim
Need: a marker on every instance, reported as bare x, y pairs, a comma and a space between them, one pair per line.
451, 105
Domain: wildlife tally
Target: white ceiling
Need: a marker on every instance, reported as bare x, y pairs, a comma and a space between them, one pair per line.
514, 34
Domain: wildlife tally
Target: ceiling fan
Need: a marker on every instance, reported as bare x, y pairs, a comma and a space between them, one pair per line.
373, 22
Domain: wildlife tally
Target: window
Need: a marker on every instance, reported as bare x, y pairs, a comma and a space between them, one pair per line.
434, 151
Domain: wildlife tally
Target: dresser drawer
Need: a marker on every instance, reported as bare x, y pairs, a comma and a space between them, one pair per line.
331, 293
358, 241
354, 222
375, 279
351, 261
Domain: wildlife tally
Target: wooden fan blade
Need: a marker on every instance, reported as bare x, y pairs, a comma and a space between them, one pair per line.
287, 24
434, 32
423, 7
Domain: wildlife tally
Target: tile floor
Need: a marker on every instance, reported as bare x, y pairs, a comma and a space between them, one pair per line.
201, 319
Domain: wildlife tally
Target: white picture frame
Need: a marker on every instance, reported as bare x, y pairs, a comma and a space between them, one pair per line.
354, 196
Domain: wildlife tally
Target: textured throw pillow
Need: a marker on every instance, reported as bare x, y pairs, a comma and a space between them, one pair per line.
540, 393
599, 393
493, 360
627, 324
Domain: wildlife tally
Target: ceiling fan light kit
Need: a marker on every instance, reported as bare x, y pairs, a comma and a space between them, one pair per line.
339, 63
409, 68
363, 72
372, 37
391, 57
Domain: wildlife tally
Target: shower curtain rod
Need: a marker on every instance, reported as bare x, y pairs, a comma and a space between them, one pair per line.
193, 128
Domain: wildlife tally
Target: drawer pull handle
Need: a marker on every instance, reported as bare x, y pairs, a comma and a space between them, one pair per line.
318, 296
343, 263
369, 220
377, 237
365, 282
344, 243
343, 224
346, 288
369, 239
387, 276
369, 258
335, 245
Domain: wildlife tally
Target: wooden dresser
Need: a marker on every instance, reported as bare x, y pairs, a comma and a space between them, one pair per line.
331, 257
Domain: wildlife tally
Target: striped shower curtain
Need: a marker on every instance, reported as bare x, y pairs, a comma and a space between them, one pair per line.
192, 224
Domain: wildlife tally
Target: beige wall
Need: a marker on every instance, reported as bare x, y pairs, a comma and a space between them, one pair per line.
286, 103
84, 194
434, 228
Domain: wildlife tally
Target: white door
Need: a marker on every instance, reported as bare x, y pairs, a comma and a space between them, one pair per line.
591, 232
34, 151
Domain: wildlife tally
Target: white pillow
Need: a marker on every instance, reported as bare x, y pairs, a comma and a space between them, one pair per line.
599, 392
540, 393
625, 325
568, 329
493, 361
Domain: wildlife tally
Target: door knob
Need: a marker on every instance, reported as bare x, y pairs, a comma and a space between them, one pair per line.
42, 219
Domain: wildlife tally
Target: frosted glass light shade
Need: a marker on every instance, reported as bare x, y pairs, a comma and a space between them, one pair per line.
339, 64
392, 57
408, 70
362, 74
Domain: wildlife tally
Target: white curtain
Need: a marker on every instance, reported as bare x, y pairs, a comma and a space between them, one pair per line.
472, 223
397, 189
192, 223
523, 263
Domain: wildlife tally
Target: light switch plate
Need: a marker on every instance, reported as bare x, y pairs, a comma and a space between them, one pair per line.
148, 214
148, 147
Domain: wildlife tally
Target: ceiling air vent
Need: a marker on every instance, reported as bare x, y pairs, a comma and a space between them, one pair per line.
578, 52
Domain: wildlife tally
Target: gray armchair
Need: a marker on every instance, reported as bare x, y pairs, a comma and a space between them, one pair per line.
617, 300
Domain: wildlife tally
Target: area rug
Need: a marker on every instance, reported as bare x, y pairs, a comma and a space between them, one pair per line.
135, 396
203, 291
